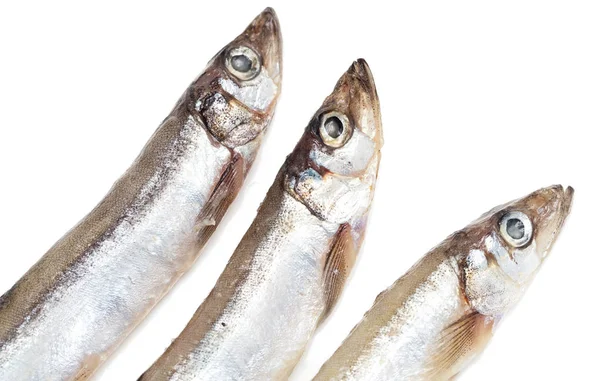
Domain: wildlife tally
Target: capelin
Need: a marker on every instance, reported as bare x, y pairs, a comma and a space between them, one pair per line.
236, 95
334, 166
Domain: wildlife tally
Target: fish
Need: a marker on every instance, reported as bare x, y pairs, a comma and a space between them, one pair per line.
72, 309
437, 318
291, 265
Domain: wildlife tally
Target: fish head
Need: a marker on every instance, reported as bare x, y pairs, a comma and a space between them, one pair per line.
334, 166
235, 96
512, 242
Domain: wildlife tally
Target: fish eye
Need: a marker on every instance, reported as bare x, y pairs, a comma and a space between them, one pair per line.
335, 129
516, 229
243, 63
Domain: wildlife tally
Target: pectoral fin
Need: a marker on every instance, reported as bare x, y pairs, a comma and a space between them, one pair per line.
222, 196
338, 265
458, 344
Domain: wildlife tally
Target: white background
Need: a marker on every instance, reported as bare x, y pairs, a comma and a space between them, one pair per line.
482, 102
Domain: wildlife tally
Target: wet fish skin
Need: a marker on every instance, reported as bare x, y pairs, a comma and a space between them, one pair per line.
70, 311
438, 317
291, 265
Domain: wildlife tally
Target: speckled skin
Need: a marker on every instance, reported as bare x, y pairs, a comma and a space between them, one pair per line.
433, 321
65, 316
292, 263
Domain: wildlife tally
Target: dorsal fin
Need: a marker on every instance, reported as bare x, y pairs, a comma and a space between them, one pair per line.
338, 263
222, 196
457, 345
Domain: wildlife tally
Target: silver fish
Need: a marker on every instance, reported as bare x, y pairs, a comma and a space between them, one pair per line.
66, 315
292, 263
432, 322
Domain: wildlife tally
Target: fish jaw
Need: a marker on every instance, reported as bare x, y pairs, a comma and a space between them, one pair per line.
562, 199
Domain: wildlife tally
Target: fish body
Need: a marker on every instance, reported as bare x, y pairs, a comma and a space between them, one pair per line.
438, 317
291, 265
65, 316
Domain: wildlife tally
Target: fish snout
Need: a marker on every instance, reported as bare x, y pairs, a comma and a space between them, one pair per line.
264, 35
356, 95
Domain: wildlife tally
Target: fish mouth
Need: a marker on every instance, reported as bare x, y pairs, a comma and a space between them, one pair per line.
566, 203
362, 72
565, 195
568, 199
565, 198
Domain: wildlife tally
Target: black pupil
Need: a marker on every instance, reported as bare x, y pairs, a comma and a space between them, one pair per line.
515, 228
241, 63
334, 127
